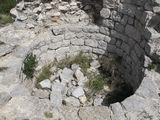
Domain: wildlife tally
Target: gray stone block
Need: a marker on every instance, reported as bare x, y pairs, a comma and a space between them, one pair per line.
133, 33
91, 43
105, 13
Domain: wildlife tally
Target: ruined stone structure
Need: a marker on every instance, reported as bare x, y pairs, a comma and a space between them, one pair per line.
127, 28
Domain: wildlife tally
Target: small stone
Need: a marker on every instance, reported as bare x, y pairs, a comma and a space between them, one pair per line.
20, 5
58, 31
95, 64
78, 92
106, 88
83, 99
53, 69
79, 75
30, 26
67, 75
82, 82
48, 6
56, 14
74, 83
56, 94
37, 10
70, 90
72, 101
98, 101
105, 13
74, 67
53, 77
63, 8
45, 84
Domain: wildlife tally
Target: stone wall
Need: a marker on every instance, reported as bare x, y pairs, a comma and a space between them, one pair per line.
127, 21
123, 32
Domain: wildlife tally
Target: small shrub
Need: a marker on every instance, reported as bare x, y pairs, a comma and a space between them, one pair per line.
2, 69
48, 115
96, 83
1, 43
45, 74
29, 65
151, 66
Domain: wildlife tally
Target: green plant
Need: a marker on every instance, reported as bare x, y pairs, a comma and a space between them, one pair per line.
81, 59
2, 69
6, 5
45, 74
96, 83
151, 66
48, 115
1, 43
4, 19
29, 65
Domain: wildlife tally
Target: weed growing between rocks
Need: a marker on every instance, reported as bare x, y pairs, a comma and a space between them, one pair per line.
5, 19
96, 82
48, 115
45, 74
3, 69
151, 66
5, 6
2, 43
29, 65
82, 60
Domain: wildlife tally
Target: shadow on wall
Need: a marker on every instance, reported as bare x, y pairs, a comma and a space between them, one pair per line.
129, 41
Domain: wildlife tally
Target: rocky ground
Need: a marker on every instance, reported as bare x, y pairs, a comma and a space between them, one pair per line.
62, 96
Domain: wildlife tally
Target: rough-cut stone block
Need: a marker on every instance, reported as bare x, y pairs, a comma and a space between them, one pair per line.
104, 30
91, 43
108, 23
77, 42
105, 13
119, 27
91, 29
133, 33
58, 31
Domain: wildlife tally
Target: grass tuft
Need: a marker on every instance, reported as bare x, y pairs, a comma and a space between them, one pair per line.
96, 83
29, 65
6, 5
48, 115
82, 60
45, 74
3, 69
151, 66
2, 43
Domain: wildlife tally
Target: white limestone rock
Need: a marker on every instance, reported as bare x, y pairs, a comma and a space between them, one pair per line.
95, 64
45, 84
77, 92
72, 101
79, 75
97, 101
67, 75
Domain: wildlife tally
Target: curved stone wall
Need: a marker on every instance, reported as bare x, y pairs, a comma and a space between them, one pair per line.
124, 31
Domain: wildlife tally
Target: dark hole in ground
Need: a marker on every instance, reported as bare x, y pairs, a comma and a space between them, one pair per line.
119, 88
